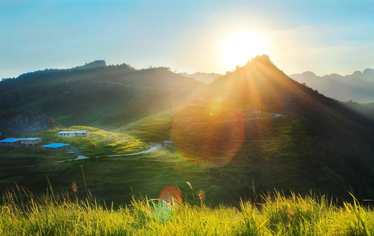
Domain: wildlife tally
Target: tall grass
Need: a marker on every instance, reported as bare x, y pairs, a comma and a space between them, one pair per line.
65, 214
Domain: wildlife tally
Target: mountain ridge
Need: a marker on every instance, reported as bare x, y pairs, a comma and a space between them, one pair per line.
75, 97
357, 86
201, 76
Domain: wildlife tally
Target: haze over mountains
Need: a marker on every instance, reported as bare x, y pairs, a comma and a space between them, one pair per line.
357, 87
204, 77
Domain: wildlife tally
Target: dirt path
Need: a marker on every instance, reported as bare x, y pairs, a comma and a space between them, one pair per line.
153, 148
76, 151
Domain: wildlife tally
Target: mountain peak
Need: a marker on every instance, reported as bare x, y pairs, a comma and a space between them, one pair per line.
368, 71
309, 73
357, 72
90, 65
264, 59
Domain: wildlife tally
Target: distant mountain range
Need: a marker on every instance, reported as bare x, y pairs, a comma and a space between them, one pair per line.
203, 77
357, 87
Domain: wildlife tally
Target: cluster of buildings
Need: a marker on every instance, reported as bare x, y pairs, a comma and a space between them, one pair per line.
37, 142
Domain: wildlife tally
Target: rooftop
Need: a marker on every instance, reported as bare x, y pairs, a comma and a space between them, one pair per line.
73, 131
55, 145
9, 140
29, 138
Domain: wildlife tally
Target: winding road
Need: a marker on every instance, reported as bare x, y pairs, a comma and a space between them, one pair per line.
153, 148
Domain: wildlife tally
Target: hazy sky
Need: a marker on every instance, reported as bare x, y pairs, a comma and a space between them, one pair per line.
187, 36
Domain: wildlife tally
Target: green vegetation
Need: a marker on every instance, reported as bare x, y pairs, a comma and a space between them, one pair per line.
152, 128
21, 165
222, 148
65, 214
99, 142
268, 155
104, 97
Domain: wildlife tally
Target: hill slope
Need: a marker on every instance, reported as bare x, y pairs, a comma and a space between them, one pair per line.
104, 96
301, 139
26, 121
203, 77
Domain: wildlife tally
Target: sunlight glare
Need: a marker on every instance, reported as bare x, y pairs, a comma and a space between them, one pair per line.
239, 48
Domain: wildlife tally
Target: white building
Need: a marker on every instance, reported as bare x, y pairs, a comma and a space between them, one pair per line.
30, 142
74, 133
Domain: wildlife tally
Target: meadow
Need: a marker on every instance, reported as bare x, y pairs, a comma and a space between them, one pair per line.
99, 142
268, 157
276, 214
220, 200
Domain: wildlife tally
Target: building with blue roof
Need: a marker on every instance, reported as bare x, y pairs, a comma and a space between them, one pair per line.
10, 142
56, 147
25, 142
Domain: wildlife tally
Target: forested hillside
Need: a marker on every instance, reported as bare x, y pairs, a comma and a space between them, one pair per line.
105, 96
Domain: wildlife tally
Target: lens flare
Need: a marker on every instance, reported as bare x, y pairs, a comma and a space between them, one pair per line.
208, 133
171, 194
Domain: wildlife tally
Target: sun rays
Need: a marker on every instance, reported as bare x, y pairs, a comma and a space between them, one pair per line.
240, 47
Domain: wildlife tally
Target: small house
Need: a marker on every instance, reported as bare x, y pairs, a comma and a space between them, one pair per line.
74, 133
56, 147
168, 144
30, 142
10, 142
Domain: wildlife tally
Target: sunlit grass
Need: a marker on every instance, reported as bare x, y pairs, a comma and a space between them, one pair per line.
64, 214
99, 142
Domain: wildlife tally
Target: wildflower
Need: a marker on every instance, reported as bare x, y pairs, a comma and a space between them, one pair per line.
74, 187
201, 194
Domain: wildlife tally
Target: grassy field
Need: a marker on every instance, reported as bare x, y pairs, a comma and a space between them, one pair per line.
99, 142
275, 215
276, 153
152, 128
22, 166
268, 157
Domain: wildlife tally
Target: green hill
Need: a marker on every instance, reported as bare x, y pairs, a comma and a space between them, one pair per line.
106, 96
99, 142
317, 142
154, 128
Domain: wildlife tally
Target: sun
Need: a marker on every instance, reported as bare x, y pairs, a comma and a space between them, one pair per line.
240, 47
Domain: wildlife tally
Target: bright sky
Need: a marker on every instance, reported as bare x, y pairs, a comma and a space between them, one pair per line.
188, 36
